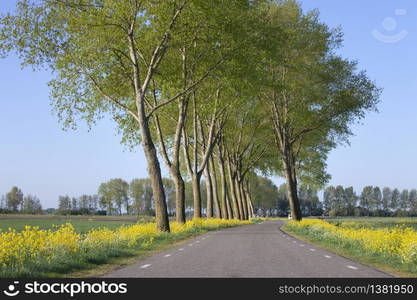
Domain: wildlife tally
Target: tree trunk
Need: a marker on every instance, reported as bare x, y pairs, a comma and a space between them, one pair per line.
244, 202
291, 181
225, 206
239, 200
236, 212
196, 195
154, 170
209, 192
179, 197
249, 200
212, 172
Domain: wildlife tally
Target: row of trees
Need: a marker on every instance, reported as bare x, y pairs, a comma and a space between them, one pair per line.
117, 197
14, 201
216, 89
340, 201
270, 200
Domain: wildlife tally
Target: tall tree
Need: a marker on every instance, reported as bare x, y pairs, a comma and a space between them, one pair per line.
366, 199
351, 200
404, 203
412, 199
376, 198
14, 199
329, 198
312, 94
64, 203
386, 198
31, 205
395, 199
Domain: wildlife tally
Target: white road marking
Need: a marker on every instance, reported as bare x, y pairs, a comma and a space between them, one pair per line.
190, 245
294, 241
301, 245
197, 241
203, 238
352, 267
327, 256
145, 266
181, 249
312, 249
167, 255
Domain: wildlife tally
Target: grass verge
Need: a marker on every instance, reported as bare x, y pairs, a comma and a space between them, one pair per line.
389, 264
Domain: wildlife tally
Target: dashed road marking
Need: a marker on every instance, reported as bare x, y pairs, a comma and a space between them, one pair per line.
167, 255
352, 267
327, 256
197, 241
294, 241
190, 245
181, 249
145, 266
203, 238
312, 250
301, 245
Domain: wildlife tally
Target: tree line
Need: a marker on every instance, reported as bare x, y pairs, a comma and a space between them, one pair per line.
16, 202
220, 90
340, 201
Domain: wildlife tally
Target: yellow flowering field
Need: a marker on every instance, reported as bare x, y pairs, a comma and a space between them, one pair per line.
398, 241
33, 250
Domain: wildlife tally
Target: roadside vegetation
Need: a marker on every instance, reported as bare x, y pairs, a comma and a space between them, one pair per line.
61, 249
390, 244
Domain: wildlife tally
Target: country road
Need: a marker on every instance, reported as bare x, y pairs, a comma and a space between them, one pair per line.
260, 250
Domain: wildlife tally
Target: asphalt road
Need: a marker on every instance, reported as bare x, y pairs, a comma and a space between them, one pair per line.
260, 250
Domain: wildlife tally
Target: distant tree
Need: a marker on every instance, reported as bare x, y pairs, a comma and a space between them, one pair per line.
136, 190
386, 198
340, 198
3, 202
105, 198
31, 205
14, 199
412, 199
366, 199
351, 200
264, 194
64, 203
84, 202
310, 203
282, 201
169, 187
115, 192
93, 203
377, 198
74, 203
395, 199
404, 204
329, 198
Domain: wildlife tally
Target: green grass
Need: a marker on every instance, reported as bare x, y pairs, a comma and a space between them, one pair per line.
375, 222
79, 225
389, 264
82, 224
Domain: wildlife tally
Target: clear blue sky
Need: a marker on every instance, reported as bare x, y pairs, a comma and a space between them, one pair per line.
40, 158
